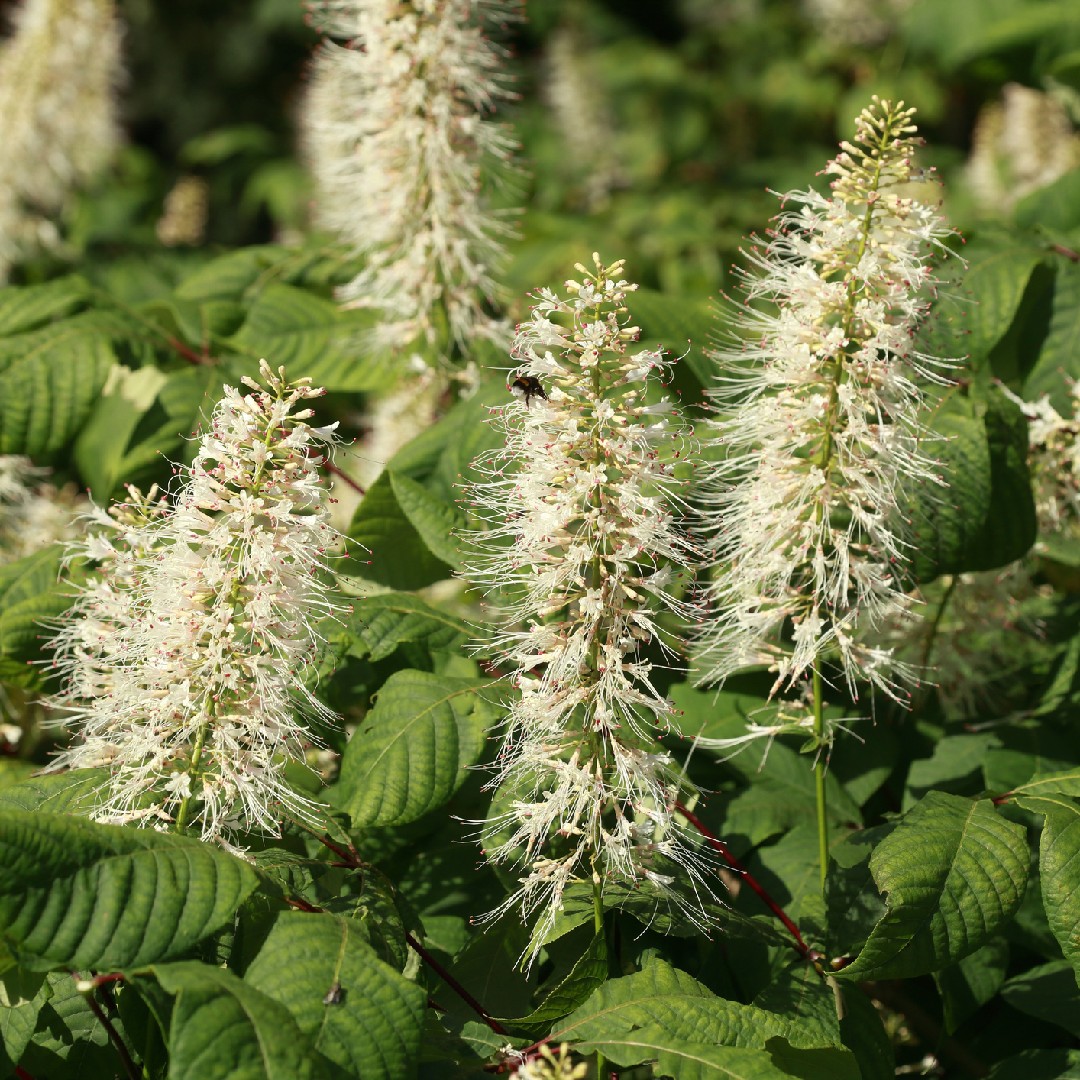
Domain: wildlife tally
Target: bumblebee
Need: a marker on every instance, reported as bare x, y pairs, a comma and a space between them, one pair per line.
527, 387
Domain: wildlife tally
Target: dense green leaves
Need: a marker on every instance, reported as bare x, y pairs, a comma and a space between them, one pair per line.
32, 594
78, 895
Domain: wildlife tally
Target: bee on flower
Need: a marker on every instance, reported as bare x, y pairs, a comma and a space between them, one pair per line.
581, 552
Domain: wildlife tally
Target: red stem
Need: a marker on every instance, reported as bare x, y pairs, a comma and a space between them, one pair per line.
766, 899
454, 985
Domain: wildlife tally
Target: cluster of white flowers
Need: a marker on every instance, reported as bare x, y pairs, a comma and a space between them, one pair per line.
1020, 144
33, 513
1054, 444
551, 1064
820, 420
58, 126
581, 552
403, 150
185, 659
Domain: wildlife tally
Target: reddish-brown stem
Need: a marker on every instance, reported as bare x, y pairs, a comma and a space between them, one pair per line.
130, 1068
187, 353
766, 899
454, 985
1061, 249
22, 1074
330, 467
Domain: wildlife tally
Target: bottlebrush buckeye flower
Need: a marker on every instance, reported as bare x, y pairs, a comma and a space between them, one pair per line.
184, 661
403, 150
820, 419
582, 550
58, 124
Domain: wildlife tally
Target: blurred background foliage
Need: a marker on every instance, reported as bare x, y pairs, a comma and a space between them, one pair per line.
648, 129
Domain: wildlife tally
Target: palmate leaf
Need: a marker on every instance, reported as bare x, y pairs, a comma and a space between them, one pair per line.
410, 753
81, 895
71, 792
372, 1024
23, 308
223, 1029
953, 872
1059, 358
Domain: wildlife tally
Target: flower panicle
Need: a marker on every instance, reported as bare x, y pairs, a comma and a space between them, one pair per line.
401, 142
819, 421
581, 550
187, 658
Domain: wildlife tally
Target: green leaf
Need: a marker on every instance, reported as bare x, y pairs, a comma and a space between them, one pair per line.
686, 1060
224, 1029
985, 518
996, 275
1055, 207
953, 873
22, 995
436, 521
965, 987
373, 1029
410, 753
1059, 357
1059, 869
400, 558
662, 997
47, 393
228, 276
1048, 992
955, 758
72, 792
32, 594
1058, 1064
587, 975
312, 337
82, 895
101, 445
380, 624
23, 308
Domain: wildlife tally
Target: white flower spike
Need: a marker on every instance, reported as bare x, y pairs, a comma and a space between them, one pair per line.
580, 554
185, 660
820, 420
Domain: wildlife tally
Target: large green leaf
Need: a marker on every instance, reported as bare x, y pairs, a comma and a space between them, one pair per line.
1057, 1064
410, 753
1047, 992
372, 1022
671, 1001
224, 1029
437, 521
687, 1060
22, 308
32, 594
311, 336
953, 872
46, 393
1059, 357
1059, 869
996, 274
80, 895
985, 517
71, 792
399, 557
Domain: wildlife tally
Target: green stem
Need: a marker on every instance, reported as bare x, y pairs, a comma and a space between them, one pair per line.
598, 926
819, 778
